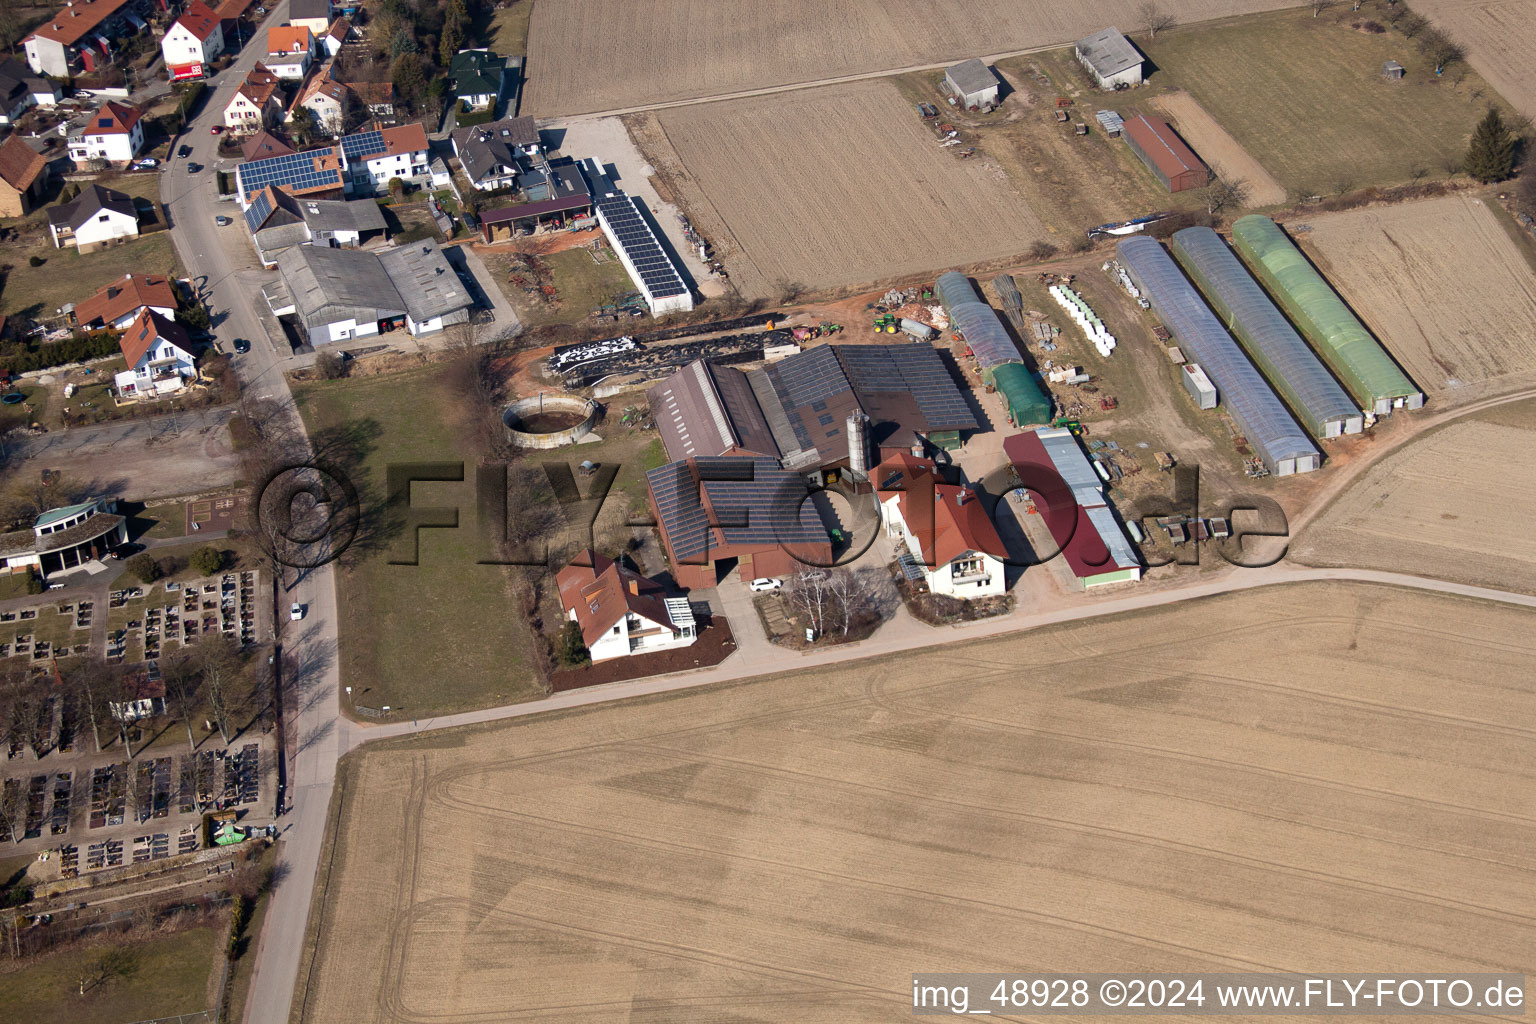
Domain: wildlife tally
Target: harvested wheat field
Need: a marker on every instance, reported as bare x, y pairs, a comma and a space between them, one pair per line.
1454, 505
591, 55
1220, 151
1499, 35
835, 186
1442, 285
1324, 776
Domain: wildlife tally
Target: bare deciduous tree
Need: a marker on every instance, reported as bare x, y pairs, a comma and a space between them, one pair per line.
11, 809
1224, 194
1155, 17
1319, 6
216, 659
808, 592
183, 689
1440, 49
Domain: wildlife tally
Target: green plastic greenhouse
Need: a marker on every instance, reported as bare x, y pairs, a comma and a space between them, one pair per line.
1027, 406
1340, 338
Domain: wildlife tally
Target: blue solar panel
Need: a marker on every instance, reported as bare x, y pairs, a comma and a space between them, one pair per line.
655, 270
260, 210
754, 502
362, 144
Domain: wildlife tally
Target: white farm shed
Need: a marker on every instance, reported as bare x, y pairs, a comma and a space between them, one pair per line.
972, 84
1110, 59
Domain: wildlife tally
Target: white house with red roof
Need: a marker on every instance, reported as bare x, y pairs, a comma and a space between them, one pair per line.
195, 39
159, 357
400, 152
621, 612
115, 133
290, 50
256, 104
945, 528
119, 303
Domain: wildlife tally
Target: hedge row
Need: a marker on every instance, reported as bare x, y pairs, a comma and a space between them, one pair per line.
78, 348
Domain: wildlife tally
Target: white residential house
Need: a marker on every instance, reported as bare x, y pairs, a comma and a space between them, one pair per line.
621, 612
21, 90
290, 51
337, 34
323, 100
948, 535
95, 218
402, 152
192, 42
314, 15
256, 104
159, 357
119, 303
115, 134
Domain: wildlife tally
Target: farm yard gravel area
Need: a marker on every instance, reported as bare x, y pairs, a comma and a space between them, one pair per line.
1221, 151
1446, 506
1499, 36
846, 186
1443, 286
1313, 774
689, 49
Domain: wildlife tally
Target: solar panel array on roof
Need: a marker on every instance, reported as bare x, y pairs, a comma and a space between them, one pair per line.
755, 503
659, 277
362, 144
918, 370
810, 377
260, 210
1254, 407
294, 172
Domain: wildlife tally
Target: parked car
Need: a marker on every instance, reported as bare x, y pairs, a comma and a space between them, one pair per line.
148, 163
241, 345
216, 129
194, 168
184, 152
763, 583
222, 221
296, 612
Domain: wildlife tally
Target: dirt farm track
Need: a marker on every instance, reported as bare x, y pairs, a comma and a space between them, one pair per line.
879, 199
1112, 796
591, 55
1442, 285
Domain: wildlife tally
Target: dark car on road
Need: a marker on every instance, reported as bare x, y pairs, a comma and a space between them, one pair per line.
194, 168
242, 346
184, 152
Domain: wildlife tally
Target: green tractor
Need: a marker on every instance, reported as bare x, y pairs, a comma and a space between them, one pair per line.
885, 323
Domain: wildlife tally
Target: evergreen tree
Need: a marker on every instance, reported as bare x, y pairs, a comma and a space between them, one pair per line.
1491, 157
571, 649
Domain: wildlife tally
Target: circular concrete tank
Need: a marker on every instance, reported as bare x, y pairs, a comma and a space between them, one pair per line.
549, 421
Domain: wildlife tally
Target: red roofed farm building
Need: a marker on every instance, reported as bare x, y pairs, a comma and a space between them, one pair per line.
1070, 496
1165, 154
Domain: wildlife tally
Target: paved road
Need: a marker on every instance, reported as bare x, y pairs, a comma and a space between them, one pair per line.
914, 635
219, 260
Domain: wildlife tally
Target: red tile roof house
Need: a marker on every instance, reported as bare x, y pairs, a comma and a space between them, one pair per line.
159, 357
119, 303
945, 528
192, 42
621, 612
23, 177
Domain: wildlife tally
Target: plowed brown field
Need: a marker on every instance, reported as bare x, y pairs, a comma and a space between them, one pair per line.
1450, 505
589, 55
1442, 285
835, 186
1319, 777
1499, 35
